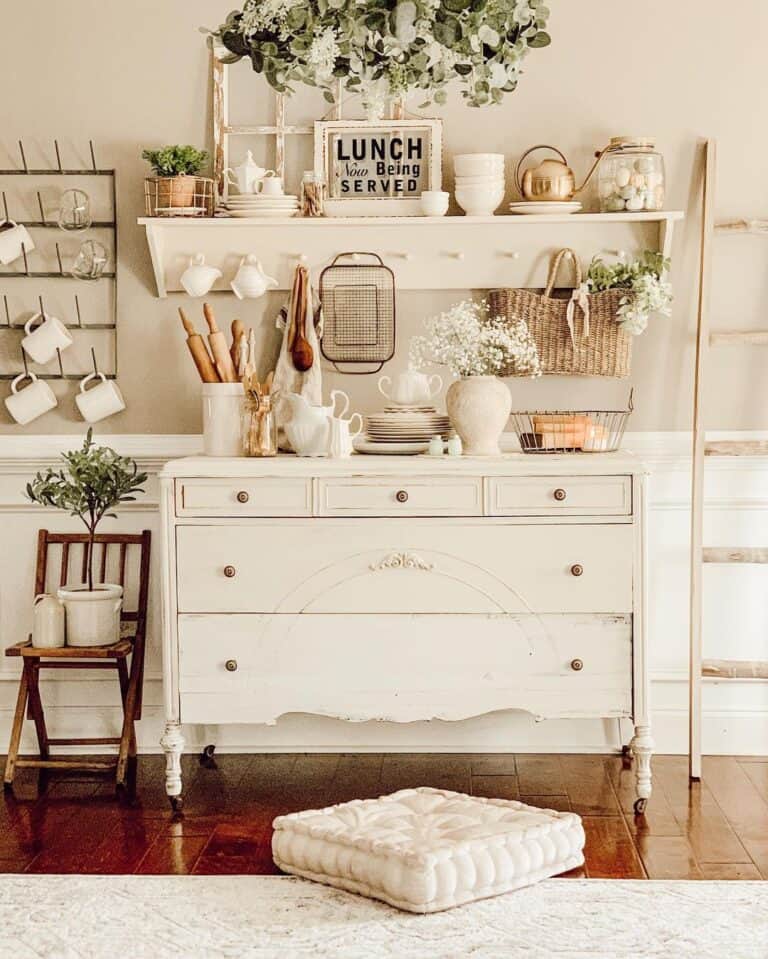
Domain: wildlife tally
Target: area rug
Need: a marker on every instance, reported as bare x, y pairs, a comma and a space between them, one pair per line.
266, 917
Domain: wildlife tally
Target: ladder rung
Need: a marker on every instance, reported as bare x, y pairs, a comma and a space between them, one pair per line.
739, 337
735, 668
737, 554
736, 447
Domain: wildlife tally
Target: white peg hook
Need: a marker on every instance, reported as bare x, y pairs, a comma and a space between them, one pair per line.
512, 254
458, 255
301, 257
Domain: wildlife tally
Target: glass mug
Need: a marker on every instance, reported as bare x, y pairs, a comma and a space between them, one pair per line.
75, 211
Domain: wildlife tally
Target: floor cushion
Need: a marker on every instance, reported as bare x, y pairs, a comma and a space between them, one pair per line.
425, 849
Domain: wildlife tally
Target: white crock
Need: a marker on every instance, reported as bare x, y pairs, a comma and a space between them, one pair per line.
479, 408
223, 405
93, 616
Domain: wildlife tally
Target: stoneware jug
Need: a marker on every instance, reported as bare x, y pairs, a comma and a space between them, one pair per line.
251, 281
410, 388
308, 428
48, 626
340, 436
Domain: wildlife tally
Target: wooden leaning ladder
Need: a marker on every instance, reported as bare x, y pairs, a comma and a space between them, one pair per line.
700, 554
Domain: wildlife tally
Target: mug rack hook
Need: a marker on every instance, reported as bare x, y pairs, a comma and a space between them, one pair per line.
7, 311
42, 308
58, 155
24, 360
58, 257
40, 207
95, 364
61, 364
77, 310
26, 261
23, 157
5, 206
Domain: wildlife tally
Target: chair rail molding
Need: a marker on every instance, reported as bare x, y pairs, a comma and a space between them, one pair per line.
735, 714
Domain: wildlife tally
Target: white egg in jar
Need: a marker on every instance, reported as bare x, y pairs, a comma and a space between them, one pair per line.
622, 176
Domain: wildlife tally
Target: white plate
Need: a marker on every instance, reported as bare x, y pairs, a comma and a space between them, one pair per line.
389, 449
261, 214
181, 210
284, 198
539, 208
406, 409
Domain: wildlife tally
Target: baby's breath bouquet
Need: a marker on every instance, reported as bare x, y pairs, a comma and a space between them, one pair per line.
470, 342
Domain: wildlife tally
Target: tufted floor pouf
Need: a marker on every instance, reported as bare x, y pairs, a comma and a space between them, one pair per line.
425, 850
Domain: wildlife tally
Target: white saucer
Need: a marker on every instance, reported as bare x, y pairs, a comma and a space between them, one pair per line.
389, 449
531, 207
261, 214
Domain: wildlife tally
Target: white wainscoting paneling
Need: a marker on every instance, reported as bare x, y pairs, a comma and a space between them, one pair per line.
736, 621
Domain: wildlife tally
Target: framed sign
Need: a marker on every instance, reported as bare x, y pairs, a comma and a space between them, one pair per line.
378, 168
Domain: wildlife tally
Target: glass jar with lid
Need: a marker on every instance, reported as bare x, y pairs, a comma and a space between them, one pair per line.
631, 176
312, 194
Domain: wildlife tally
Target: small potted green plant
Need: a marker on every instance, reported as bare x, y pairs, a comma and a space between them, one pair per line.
94, 481
176, 169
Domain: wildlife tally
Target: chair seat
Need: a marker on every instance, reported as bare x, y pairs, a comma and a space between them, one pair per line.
118, 650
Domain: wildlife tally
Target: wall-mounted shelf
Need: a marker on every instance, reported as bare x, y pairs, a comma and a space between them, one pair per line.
426, 253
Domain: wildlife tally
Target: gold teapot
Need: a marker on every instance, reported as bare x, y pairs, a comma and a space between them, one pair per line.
552, 181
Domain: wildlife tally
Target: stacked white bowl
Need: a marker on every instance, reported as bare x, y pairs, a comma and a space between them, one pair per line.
479, 182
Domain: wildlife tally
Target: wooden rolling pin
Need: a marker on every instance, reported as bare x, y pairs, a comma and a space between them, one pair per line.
199, 351
238, 330
219, 349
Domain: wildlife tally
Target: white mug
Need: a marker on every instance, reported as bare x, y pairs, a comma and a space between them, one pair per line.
411, 388
42, 342
341, 437
270, 186
34, 400
101, 401
198, 278
12, 236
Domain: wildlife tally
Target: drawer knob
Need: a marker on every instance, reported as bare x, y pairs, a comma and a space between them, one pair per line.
559, 495
231, 665
401, 496
229, 571
577, 569
242, 496
577, 665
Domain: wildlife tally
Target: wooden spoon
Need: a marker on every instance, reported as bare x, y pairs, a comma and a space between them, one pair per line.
301, 352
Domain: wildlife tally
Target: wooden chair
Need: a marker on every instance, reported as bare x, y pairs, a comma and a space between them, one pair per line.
114, 656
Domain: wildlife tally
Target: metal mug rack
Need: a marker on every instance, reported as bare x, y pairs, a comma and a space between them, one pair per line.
7, 323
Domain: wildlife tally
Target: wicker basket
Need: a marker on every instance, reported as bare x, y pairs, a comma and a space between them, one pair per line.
593, 346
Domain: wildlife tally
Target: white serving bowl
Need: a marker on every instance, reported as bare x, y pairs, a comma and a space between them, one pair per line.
494, 180
478, 164
479, 200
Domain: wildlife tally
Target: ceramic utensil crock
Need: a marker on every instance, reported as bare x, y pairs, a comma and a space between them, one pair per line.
223, 405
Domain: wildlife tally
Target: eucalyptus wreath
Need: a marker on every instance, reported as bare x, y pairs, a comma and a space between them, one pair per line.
384, 48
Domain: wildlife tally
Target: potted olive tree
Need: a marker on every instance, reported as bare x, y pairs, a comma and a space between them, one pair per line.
176, 169
94, 480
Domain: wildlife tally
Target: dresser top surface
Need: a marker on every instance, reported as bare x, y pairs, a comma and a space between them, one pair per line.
508, 464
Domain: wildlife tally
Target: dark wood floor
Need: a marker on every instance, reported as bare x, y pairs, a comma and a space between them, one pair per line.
716, 829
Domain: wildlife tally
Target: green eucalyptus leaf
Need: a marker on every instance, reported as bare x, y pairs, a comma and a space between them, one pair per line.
542, 39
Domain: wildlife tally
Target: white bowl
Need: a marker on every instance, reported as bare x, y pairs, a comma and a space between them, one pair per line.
479, 200
434, 202
474, 164
494, 180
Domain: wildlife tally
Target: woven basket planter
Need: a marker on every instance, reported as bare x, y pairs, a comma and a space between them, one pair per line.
595, 346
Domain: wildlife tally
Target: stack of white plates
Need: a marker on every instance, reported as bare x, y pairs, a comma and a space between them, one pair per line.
532, 207
258, 204
407, 425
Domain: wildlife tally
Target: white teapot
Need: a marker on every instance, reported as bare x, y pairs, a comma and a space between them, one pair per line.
411, 388
309, 427
246, 176
251, 281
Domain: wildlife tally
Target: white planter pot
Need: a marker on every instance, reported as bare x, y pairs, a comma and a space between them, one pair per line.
479, 408
93, 616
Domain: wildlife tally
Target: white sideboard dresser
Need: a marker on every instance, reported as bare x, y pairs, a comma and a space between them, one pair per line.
404, 588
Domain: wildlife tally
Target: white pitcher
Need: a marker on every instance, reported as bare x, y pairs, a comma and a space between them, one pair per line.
341, 437
411, 388
308, 428
48, 623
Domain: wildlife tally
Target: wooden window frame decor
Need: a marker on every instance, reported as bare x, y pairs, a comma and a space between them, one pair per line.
394, 203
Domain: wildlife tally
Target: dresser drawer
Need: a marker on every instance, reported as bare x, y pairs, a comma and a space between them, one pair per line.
400, 496
253, 669
404, 566
560, 496
263, 497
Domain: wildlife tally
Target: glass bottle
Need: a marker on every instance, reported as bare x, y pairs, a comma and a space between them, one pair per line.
312, 194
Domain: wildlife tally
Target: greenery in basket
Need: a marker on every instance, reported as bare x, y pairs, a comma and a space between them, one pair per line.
471, 343
176, 160
644, 279
381, 49
93, 482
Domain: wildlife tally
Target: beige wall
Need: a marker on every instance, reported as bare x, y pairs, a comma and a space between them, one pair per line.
135, 75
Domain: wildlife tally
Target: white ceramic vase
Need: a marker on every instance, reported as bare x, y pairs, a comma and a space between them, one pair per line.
93, 616
479, 408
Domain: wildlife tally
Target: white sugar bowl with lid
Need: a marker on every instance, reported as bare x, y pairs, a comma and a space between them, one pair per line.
631, 176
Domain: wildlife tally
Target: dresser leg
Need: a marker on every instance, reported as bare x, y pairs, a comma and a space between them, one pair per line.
642, 748
173, 746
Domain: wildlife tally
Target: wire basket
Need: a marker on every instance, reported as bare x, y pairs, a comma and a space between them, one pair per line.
179, 196
571, 431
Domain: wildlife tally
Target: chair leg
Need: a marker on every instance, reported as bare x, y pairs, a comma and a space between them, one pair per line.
18, 722
128, 734
36, 708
